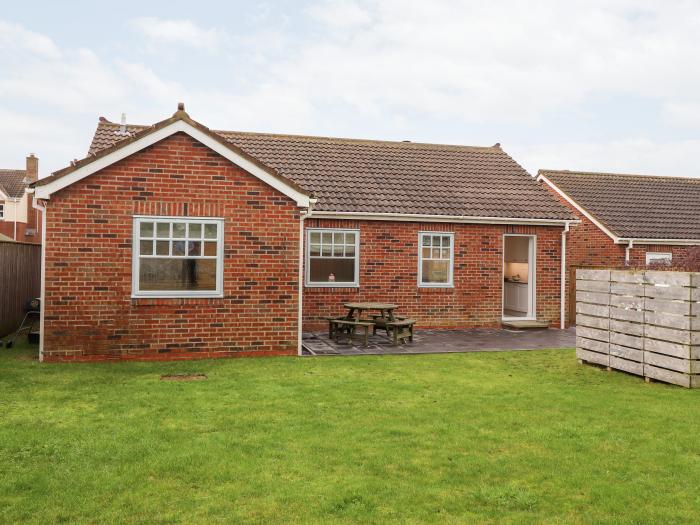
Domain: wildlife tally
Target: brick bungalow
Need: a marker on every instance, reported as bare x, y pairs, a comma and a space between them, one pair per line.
627, 220
18, 219
174, 241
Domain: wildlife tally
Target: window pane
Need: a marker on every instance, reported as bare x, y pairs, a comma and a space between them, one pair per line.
146, 248
326, 250
146, 229
179, 230
194, 248
426, 240
445, 253
327, 238
435, 272
337, 250
162, 247
177, 274
315, 237
338, 238
350, 238
210, 249
350, 250
163, 230
195, 231
426, 253
332, 270
315, 249
179, 247
435, 253
446, 240
210, 231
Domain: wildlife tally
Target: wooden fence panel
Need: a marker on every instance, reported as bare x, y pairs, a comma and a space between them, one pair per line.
648, 323
20, 281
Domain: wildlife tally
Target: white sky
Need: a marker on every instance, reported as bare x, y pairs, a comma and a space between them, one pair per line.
592, 85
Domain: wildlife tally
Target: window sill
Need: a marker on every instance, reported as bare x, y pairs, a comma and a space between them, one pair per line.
179, 296
337, 285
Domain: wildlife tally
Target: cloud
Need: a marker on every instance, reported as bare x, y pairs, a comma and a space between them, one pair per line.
16, 39
180, 32
501, 62
639, 155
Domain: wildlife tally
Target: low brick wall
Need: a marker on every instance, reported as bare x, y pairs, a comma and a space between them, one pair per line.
643, 322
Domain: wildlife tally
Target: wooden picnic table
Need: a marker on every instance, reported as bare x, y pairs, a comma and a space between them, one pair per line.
386, 309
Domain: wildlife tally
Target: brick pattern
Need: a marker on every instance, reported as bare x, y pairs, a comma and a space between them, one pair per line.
389, 273
89, 312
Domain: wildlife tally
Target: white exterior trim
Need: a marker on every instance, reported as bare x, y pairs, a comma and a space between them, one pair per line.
176, 294
674, 242
45, 191
657, 256
571, 201
307, 260
456, 219
450, 277
531, 277
42, 279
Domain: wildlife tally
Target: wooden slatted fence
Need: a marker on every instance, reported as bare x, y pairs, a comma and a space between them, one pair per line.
20, 281
643, 322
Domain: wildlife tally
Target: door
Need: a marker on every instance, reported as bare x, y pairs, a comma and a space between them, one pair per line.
519, 276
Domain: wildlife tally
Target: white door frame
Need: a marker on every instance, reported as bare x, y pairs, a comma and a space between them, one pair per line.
531, 278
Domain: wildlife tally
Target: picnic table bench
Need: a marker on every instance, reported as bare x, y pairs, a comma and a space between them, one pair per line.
399, 329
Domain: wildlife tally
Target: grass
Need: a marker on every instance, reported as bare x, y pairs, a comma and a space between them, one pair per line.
522, 437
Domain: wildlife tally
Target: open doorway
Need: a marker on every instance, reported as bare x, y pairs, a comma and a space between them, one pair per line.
519, 277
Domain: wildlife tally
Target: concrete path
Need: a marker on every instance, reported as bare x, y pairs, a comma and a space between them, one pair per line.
445, 341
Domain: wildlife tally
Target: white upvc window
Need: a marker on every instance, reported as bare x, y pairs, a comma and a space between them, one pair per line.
332, 257
659, 258
435, 259
178, 257
2, 210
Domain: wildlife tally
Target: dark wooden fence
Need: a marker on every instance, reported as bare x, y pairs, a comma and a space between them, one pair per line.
20, 281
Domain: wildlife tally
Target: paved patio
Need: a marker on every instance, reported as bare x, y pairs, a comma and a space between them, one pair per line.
445, 341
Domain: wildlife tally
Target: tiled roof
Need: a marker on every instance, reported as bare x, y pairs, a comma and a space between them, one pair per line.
11, 182
349, 175
636, 206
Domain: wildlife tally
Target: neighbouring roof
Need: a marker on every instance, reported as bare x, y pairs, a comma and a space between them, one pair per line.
368, 176
635, 206
5, 238
12, 182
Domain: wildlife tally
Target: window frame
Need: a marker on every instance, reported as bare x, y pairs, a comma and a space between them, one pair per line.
657, 256
2, 210
176, 294
307, 259
450, 280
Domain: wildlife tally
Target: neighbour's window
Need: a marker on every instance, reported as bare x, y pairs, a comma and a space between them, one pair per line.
2, 210
435, 259
178, 257
332, 257
659, 258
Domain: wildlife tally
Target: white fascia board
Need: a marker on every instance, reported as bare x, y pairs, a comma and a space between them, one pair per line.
45, 191
588, 216
458, 219
674, 242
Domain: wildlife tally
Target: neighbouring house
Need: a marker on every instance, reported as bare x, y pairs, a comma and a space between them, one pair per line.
18, 219
174, 241
626, 220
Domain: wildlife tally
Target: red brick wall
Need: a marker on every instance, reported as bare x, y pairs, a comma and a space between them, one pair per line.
389, 273
89, 312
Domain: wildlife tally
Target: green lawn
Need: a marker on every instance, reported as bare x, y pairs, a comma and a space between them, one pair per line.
522, 437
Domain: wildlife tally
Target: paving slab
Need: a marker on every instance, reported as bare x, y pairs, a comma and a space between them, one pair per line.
444, 341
